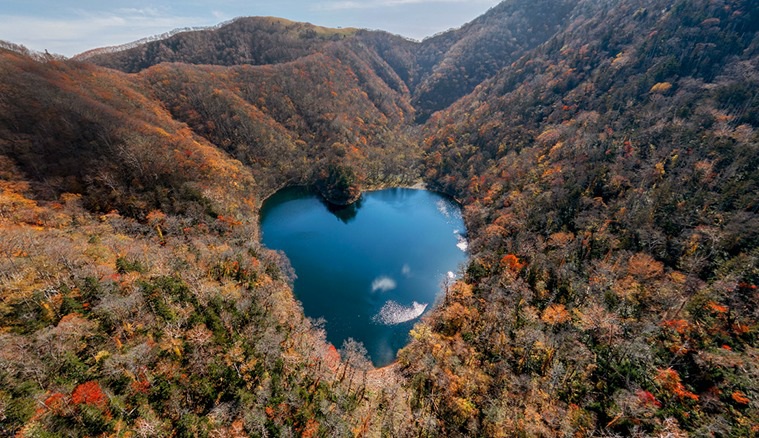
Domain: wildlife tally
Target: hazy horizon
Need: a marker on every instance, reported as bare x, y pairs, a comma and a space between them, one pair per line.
77, 26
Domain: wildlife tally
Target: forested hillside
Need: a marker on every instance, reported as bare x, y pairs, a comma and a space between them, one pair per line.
610, 182
135, 296
455, 62
606, 155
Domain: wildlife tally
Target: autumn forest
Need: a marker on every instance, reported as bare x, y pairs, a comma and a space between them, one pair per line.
605, 153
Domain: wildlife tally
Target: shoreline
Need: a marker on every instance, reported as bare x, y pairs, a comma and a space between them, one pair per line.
391, 370
418, 184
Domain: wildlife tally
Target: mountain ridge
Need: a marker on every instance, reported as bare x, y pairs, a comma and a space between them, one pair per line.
158, 37
436, 60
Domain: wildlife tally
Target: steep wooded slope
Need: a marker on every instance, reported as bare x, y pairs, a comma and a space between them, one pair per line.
610, 179
82, 129
454, 63
288, 120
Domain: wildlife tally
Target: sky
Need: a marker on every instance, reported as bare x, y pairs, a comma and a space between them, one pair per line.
68, 27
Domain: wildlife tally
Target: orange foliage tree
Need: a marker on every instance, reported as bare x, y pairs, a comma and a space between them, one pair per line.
670, 381
512, 262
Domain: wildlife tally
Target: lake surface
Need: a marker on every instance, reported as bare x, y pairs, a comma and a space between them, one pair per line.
371, 269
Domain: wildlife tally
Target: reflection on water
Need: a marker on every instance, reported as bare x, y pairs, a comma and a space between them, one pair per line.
383, 284
345, 213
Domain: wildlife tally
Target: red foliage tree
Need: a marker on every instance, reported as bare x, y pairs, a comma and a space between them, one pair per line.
89, 393
647, 398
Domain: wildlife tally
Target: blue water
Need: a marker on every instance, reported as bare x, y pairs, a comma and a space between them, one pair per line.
371, 269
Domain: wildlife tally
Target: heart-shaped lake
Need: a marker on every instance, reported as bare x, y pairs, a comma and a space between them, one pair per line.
370, 269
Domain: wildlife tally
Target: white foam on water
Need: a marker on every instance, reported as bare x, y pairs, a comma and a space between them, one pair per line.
463, 244
383, 284
393, 313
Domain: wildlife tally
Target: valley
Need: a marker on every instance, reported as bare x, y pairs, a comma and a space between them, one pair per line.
605, 154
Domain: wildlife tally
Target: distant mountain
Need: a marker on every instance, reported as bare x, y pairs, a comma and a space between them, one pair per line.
252, 40
606, 153
437, 71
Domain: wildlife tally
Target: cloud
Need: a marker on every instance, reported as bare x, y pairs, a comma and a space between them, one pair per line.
87, 30
372, 4
406, 270
383, 284
145, 12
